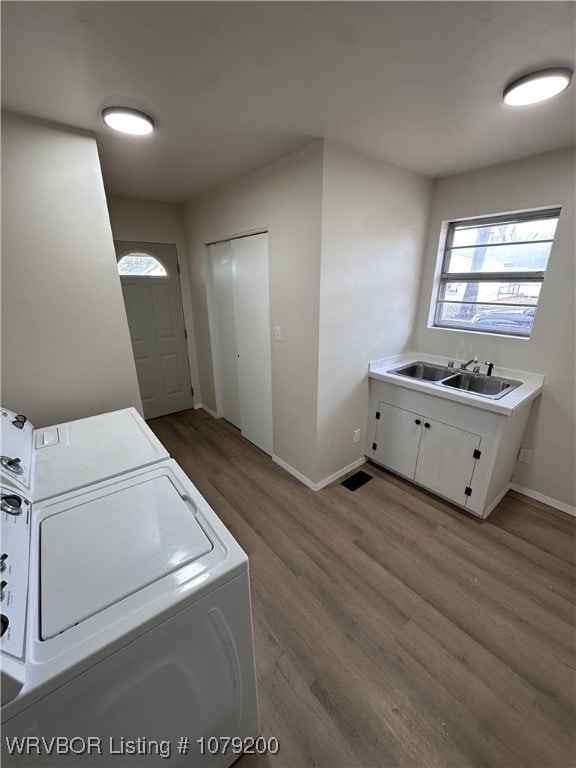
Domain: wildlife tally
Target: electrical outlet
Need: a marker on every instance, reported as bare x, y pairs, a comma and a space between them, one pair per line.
356, 436
525, 455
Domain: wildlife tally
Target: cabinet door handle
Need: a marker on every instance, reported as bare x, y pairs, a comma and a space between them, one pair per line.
427, 425
418, 421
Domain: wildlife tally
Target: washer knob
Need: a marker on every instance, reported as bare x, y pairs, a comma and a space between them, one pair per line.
12, 504
5, 622
12, 465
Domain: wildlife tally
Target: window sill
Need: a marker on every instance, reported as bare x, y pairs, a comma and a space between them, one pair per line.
489, 334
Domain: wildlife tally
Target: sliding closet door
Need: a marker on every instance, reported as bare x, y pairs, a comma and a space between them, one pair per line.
252, 314
225, 363
241, 328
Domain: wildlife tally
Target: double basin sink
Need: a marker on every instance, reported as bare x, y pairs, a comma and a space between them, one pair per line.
492, 387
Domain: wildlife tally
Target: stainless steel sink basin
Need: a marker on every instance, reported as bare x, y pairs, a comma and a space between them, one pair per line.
486, 386
423, 371
493, 387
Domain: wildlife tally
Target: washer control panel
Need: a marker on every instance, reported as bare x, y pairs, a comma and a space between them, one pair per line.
16, 450
15, 512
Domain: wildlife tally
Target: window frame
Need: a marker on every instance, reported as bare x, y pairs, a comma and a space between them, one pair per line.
532, 276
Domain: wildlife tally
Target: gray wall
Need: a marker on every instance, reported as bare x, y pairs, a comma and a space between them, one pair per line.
374, 218
284, 197
542, 181
66, 349
346, 235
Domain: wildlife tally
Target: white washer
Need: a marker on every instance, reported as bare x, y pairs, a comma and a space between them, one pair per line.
139, 631
15, 511
136, 632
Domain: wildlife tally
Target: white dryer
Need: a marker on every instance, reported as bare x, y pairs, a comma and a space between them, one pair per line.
75, 454
78, 453
135, 643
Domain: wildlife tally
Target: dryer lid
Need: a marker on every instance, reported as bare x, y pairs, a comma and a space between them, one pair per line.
76, 454
102, 547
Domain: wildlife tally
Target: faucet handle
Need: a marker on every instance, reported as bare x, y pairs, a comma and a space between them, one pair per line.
450, 364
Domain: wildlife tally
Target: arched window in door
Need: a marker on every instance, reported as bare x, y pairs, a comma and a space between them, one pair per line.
138, 264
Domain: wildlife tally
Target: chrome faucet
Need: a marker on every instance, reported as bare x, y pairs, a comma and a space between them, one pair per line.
465, 365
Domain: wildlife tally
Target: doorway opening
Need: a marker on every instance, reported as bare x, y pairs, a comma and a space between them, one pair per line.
150, 282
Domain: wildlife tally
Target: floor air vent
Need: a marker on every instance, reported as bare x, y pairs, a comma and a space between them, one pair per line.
356, 480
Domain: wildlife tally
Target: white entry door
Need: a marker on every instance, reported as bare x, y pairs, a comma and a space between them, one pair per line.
151, 289
241, 326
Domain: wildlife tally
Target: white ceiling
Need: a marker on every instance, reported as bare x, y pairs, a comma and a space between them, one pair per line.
234, 85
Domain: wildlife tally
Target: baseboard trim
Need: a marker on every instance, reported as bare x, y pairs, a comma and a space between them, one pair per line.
323, 483
208, 410
544, 499
294, 472
341, 472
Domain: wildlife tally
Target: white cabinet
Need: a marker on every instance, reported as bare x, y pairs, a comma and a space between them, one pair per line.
438, 456
446, 460
397, 439
462, 452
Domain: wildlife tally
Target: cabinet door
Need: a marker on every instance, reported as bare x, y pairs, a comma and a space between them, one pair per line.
446, 460
397, 439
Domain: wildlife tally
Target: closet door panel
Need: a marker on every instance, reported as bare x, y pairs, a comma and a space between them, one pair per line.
226, 354
252, 316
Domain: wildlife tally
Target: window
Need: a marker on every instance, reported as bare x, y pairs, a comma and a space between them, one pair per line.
141, 265
492, 272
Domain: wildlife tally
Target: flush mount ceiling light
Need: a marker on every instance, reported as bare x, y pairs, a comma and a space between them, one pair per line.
537, 86
128, 121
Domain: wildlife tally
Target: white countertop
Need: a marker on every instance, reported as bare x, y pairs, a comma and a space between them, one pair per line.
532, 383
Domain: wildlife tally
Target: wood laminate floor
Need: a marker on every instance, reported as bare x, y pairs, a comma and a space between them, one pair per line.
392, 629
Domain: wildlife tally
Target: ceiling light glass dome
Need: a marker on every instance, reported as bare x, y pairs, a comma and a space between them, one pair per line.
537, 86
128, 121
